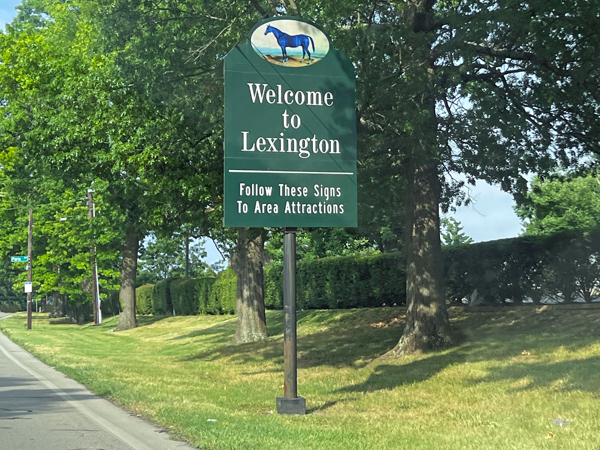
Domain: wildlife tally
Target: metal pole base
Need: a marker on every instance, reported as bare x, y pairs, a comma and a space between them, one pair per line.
295, 406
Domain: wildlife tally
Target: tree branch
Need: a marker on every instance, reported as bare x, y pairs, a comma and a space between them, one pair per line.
518, 56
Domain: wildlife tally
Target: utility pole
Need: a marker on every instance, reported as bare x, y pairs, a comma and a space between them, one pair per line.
29, 265
95, 293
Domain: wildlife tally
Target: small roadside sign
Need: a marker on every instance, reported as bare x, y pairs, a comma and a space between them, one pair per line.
18, 259
28, 287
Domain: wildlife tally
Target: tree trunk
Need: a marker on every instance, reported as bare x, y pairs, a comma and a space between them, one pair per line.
127, 318
427, 323
59, 307
250, 303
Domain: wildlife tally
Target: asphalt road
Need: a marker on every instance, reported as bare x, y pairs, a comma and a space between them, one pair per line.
42, 409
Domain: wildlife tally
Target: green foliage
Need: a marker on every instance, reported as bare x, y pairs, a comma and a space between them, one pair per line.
451, 232
341, 282
320, 243
182, 296
561, 204
10, 299
11, 307
143, 299
192, 296
164, 257
110, 91
161, 297
223, 295
51, 85
202, 292
562, 267
499, 270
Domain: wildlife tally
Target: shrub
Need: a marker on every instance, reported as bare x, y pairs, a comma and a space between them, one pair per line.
182, 297
8, 308
190, 296
161, 297
202, 291
223, 295
564, 266
341, 282
143, 299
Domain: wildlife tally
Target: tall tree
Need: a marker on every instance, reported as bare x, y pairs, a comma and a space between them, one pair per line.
493, 89
187, 79
105, 112
56, 86
560, 204
170, 55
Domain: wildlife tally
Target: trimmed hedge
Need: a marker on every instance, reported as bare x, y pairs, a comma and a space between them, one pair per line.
8, 308
143, 299
161, 297
204, 288
564, 266
341, 282
190, 296
223, 295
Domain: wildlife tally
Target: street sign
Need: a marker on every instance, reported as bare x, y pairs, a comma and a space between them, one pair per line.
18, 259
28, 287
290, 129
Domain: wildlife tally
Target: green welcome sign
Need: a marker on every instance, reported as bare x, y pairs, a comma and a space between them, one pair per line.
290, 129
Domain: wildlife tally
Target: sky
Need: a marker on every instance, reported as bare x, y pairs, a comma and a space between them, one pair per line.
7, 11
489, 217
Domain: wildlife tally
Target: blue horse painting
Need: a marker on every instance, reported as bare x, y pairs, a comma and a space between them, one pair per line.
285, 40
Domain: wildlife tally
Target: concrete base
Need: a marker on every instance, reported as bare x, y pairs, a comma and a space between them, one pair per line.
291, 405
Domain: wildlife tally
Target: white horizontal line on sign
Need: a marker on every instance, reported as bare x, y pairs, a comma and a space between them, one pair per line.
291, 171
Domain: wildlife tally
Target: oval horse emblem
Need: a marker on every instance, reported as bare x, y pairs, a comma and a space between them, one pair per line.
290, 43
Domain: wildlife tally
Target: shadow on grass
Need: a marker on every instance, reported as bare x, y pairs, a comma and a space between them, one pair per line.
149, 320
390, 376
570, 375
329, 404
213, 336
509, 342
352, 339
342, 343
225, 329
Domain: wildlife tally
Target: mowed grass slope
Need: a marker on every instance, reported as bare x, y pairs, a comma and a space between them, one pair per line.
513, 372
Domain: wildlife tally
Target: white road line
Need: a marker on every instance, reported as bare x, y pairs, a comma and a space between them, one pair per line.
108, 426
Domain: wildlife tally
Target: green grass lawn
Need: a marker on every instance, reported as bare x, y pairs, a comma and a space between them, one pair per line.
513, 372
